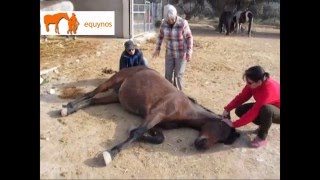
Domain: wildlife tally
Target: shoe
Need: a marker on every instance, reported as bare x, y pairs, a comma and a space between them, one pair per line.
256, 131
257, 142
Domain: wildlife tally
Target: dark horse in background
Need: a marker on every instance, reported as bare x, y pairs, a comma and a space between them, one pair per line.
226, 21
146, 93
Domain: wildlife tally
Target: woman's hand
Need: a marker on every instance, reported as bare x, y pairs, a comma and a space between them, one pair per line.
226, 114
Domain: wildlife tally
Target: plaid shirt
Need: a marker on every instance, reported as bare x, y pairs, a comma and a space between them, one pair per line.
179, 40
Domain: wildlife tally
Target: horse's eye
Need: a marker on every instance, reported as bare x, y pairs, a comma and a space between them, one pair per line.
201, 144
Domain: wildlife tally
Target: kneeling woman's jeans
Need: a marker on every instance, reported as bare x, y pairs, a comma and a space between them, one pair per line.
268, 114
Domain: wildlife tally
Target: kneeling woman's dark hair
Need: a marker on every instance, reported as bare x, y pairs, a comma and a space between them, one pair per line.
255, 73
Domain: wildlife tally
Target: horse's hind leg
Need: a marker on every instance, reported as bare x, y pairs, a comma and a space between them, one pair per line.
101, 88
47, 27
110, 98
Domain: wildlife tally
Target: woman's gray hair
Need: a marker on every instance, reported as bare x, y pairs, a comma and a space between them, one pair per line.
169, 12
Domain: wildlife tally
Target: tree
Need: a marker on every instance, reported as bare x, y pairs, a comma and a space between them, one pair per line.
194, 7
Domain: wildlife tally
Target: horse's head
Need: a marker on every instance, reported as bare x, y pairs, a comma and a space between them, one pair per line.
215, 131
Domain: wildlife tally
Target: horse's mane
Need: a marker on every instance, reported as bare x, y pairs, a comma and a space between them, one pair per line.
195, 102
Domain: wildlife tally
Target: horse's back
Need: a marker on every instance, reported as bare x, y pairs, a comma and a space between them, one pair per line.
55, 17
149, 82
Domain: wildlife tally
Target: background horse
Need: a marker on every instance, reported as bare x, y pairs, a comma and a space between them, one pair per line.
146, 93
226, 21
54, 19
242, 17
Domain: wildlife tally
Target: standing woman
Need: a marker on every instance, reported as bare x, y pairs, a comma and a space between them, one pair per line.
266, 108
179, 43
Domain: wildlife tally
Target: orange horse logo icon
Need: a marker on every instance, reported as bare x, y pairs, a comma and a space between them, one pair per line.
56, 18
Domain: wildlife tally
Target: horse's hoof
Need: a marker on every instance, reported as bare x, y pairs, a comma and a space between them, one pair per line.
132, 127
64, 111
107, 157
69, 105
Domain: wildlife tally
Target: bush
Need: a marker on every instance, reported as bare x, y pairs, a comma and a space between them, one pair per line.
271, 10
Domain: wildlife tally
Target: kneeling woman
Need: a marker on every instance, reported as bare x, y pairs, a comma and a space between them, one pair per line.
266, 108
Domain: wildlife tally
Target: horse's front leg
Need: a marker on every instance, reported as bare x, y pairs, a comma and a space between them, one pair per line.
249, 27
238, 27
135, 135
153, 136
57, 28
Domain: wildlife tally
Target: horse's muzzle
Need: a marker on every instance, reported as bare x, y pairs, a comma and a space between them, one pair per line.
201, 144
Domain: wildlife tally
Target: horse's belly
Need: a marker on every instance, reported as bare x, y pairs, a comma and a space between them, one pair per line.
140, 92
132, 99
134, 107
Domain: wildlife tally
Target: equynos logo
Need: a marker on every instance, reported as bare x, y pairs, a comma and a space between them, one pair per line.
77, 22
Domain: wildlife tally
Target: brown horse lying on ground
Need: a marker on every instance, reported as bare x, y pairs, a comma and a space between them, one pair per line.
145, 92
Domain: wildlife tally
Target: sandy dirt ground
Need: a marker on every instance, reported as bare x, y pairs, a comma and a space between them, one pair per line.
70, 147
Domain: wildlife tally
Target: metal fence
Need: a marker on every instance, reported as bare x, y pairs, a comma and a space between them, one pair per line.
145, 14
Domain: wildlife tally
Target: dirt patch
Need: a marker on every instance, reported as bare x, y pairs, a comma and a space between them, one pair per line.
70, 147
71, 93
55, 49
108, 71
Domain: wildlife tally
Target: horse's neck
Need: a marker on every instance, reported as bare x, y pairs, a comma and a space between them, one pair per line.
63, 17
201, 112
208, 114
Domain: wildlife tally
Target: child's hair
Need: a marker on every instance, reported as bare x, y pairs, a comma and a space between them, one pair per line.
129, 45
